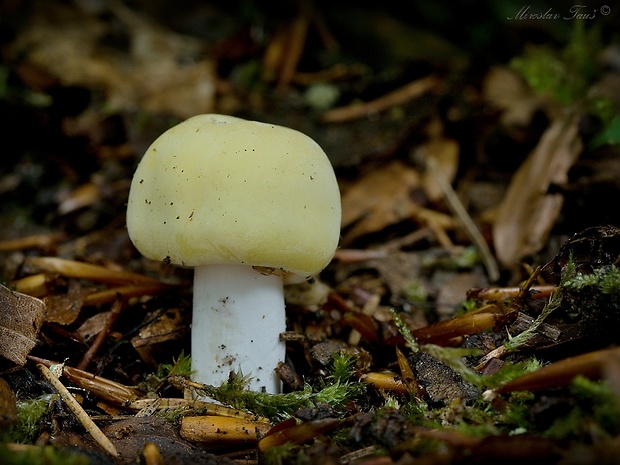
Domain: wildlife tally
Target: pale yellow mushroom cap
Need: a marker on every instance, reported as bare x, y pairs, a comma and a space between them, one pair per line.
222, 190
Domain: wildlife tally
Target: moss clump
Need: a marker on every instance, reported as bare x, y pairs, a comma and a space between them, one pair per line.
33, 455
29, 421
276, 407
594, 412
605, 280
564, 75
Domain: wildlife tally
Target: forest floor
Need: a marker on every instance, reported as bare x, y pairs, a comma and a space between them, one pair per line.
470, 312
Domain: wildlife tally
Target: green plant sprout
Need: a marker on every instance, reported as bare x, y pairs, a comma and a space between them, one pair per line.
342, 367
180, 366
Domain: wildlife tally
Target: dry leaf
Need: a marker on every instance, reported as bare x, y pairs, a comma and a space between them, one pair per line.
528, 211
20, 321
452, 289
506, 90
163, 72
168, 326
379, 199
65, 308
92, 326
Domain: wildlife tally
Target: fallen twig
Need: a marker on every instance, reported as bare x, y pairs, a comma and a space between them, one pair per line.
397, 97
113, 315
79, 412
103, 388
469, 226
76, 269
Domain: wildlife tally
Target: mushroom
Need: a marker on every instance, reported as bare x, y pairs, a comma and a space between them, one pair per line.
246, 204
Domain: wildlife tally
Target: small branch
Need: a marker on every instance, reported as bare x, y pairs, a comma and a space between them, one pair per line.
82, 270
79, 412
99, 340
459, 211
44, 242
397, 97
103, 388
132, 290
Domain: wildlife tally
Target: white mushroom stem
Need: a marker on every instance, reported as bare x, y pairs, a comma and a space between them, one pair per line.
238, 316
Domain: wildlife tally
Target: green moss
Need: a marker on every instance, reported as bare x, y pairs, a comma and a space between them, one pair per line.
180, 366
562, 74
405, 332
342, 367
47, 455
280, 406
416, 292
595, 412
29, 421
468, 305
520, 340
511, 370
278, 455
606, 279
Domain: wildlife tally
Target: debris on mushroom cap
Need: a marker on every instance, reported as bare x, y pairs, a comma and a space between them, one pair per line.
222, 190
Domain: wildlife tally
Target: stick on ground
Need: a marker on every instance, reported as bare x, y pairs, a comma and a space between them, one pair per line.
79, 412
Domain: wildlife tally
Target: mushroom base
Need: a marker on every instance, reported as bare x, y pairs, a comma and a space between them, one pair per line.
238, 316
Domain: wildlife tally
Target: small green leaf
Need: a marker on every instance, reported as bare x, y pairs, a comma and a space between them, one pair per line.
609, 136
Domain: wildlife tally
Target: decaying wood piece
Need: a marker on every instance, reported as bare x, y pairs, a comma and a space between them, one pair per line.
473, 322
133, 290
385, 381
506, 293
217, 429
